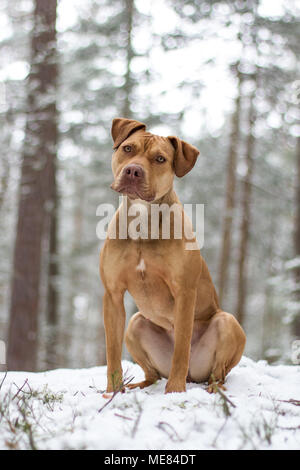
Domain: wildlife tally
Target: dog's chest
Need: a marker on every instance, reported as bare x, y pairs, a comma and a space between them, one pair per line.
141, 268
147, 285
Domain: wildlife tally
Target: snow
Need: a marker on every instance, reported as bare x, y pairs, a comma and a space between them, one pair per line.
63, 411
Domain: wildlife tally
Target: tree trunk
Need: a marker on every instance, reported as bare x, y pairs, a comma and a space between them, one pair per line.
267, 326
38, 155
296, 322
68, 330
230, 192
53, 270
5, 166
245, 216
128, 85
52, 315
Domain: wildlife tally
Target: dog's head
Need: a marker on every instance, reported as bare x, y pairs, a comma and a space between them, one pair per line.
144, 164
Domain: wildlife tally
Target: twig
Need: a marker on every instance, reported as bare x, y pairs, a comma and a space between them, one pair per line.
28, 425
162, 425
219, 432
2, 381
292, 401
19, 389
289, 428
121, 387
123, 417
30, 389
217, 389
225, 397
135, 427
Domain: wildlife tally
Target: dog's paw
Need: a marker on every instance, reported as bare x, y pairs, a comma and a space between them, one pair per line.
214, 387
143, 384
109, 394
175, 387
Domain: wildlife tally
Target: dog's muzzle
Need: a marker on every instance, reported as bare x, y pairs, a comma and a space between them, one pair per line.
132, 182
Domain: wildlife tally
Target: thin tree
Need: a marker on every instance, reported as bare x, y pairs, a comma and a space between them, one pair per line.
245, 209
39, 152
268, 310
296, 322
230, 201
129, 82
5, 166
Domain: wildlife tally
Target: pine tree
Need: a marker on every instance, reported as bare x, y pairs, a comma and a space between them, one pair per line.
39, 152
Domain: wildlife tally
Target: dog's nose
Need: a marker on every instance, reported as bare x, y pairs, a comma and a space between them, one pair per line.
133, 172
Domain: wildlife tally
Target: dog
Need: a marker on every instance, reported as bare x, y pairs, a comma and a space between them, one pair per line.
180, 332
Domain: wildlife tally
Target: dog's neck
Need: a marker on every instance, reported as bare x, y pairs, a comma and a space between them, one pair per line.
130, 209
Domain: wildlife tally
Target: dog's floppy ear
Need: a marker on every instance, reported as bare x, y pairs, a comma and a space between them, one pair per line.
122, 128
185, 156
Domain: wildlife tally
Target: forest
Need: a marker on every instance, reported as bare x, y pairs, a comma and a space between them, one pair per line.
221, 74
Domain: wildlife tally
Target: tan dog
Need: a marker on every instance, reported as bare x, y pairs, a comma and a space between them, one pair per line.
180, 332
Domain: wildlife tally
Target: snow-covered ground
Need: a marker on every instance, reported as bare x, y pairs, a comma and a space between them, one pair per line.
60, 410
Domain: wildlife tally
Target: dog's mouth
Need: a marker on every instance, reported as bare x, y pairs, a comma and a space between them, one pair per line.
132, 192
133, 189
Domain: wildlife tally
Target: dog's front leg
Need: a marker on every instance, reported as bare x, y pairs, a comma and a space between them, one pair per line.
114, 323
183, 328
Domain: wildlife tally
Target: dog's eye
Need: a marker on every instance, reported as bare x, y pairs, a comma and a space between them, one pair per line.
160, 159
127, 148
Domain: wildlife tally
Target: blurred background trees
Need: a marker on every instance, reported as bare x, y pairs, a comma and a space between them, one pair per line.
224, 75
37, 193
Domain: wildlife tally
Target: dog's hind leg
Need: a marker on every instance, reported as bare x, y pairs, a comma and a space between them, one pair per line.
217, 350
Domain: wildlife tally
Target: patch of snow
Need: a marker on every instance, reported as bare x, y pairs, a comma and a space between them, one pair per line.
261, 411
